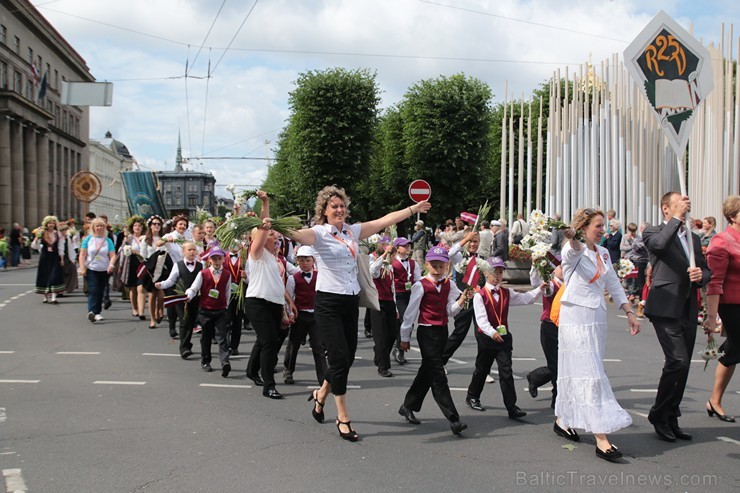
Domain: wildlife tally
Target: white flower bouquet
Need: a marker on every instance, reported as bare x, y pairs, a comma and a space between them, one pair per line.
624, 267
710, 352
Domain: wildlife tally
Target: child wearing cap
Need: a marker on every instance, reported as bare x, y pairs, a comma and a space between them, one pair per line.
491, 305
214, 285
301, 287
406, 272
384, 322
432, 301
186, 269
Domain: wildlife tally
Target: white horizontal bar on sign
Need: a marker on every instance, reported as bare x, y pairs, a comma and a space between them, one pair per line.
79, 353
20, 381
225, 386
116, 382
419, 190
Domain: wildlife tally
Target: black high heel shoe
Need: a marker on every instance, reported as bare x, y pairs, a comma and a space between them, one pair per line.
318, 416
722, 417
351, 435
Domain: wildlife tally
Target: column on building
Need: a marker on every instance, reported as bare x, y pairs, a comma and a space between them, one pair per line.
5, 174
43, 177
31, 209
16, 163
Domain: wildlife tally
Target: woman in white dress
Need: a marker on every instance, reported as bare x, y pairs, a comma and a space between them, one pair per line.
585, 398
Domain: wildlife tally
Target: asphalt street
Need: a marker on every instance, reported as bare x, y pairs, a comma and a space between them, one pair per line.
111, 407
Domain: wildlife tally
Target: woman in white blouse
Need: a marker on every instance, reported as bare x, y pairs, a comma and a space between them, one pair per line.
336, 304
585, 398
148, 244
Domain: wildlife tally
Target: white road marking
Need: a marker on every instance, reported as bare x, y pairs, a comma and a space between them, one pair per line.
15, 297
639, 414
526, 389
358, 357
729, 440
78, 353
20, 381
3, 416
451, 359
459, 389
311, 387
7, 453
225, 386
698, 361
159, 354
523, 359
2, 305
3, 285
119, 382
14, 481
7, 352
643, 390
611, 360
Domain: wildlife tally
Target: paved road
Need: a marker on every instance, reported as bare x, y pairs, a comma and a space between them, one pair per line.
62, 428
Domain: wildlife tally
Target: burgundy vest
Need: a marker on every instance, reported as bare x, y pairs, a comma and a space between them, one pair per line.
208, 303
433, 306
304, 291
384, 284
503, 297
401, 276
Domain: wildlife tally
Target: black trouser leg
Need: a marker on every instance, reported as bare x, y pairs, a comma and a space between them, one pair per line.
483, 362
384, 325
506, 378
336, 318
402, 302
236, 317
187, 322
266, 319
462, 326
206, 336
221, 323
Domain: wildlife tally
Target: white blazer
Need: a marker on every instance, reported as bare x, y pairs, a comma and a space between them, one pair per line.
579, 267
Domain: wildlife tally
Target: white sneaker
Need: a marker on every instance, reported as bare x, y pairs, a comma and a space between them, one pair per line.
489, 379
91, 316
99, 317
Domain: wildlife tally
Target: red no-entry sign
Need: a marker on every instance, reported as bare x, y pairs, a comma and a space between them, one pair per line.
420, 190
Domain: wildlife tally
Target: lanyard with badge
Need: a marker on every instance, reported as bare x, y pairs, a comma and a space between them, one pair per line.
501, 328
213, 292
352, 250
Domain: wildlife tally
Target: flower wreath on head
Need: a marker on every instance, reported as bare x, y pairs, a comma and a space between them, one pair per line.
152, 218
49, 219
133, 219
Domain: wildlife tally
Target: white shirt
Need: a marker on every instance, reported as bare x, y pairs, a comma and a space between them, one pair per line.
290, 287
173, 248
265, 280
515, 299
147, 250
175, 275
455, 254
579, 267
198, 282
682, 237
335, 260
376, 271
412, 310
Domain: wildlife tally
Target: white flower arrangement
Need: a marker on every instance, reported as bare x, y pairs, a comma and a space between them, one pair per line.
710, 352
537, 243
231, 188
127, 250
624, 267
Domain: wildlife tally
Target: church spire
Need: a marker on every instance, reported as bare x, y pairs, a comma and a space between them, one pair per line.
178, 157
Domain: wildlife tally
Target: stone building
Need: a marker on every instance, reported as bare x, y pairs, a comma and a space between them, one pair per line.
108, 158
183, 191
42, 142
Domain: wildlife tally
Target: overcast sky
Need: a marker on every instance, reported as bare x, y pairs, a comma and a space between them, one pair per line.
143, 47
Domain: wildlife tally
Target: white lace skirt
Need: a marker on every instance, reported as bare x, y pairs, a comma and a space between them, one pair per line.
585, 398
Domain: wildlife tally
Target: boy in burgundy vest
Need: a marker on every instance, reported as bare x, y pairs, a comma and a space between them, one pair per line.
385, 321
302, 288
405, 273
433, 300
214, 285
491, 305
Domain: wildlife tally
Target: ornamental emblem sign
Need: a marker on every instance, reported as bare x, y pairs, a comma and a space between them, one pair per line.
675, 72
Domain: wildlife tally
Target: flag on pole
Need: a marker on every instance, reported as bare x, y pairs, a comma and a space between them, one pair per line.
472, 274
42, 89
469, 217
175, 299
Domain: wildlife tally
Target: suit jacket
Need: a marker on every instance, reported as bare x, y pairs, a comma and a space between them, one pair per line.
501, 245
671, 288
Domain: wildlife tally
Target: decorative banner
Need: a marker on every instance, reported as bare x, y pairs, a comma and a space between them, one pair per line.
142, 195
675, 72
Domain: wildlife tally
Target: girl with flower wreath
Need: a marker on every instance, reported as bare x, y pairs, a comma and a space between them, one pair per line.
49, 275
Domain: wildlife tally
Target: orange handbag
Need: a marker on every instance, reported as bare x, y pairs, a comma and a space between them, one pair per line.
555, 308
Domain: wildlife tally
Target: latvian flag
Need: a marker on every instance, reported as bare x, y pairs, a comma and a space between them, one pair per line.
175, 299
469, 217
472, 274
141, 271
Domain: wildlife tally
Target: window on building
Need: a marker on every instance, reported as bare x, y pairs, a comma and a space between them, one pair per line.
178, 198
29, 89
192, 187
48, 71
168, 198
3, 75
64, 121
177, 188
30, 55
206, 200
192, 201
3, 34
18, 83
207, 187
40, 65
56, 80
17, 44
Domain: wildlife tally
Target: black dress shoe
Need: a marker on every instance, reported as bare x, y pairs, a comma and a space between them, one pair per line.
474, 404
174, 335
458, 427
235, 352
532, 387
385, 373
408, 414
107, 304
368, 334
664, 431
516, 413
257, 380
272, 394
399, 356
186, 354
225, 370
206, 367
678, 432
612, 454
569, 433
288, 378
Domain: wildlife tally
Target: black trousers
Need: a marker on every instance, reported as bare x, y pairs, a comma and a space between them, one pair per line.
188, 315
402, 302
214, 324
266, 320
384, 324
431, 374
236, 319
337, 317
305, 326
544, 374
676, 337
366, 322
172, 313
483, 362
462, 326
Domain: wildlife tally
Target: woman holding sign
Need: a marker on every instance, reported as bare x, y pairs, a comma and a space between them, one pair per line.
337, 291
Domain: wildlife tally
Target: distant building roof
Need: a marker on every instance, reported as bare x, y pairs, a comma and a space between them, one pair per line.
116, 145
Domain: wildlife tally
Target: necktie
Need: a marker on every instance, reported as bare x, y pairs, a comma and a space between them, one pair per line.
306, 275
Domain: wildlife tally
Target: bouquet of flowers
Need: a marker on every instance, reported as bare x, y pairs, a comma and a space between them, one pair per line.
624, 267
231, 188
127, 250
537, 244
710, 352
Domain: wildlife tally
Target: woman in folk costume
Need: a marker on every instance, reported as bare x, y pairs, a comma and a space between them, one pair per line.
132, 255
49, 276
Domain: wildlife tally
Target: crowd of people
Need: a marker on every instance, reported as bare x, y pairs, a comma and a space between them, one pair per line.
307, 286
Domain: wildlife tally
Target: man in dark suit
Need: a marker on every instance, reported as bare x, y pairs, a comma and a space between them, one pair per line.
672, 307
500, 240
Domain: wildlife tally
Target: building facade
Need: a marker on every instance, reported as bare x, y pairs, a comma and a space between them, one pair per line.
42, 142
108, 158
184, 191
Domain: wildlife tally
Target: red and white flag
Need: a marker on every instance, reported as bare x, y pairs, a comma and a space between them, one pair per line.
472, 274
175, 299
469, 217
141, 271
